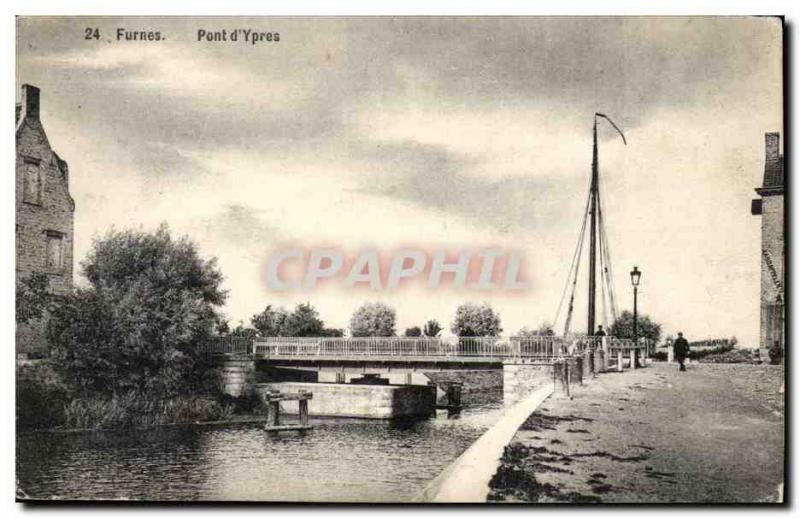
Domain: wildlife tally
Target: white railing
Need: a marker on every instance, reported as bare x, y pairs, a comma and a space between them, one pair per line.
229, 345
627, 343
473, 347
409, 347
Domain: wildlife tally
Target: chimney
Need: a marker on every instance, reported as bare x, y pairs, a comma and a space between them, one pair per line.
773, 141
30, 102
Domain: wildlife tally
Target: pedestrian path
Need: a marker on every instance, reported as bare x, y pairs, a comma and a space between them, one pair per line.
714, 433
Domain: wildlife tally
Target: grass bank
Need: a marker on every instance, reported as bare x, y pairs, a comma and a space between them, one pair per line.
44, 402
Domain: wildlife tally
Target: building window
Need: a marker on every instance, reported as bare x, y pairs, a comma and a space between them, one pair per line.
32, 182
55, 251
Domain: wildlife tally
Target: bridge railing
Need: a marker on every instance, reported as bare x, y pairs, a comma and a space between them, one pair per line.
409, 346
229, 345
380, 346
627, 343
497, 347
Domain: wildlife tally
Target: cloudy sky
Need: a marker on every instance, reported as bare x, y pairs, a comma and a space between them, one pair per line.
428, 132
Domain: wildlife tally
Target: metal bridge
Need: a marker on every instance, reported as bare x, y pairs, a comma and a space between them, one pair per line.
418, 349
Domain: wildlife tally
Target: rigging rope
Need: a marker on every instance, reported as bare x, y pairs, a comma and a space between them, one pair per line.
605, 256
576, 259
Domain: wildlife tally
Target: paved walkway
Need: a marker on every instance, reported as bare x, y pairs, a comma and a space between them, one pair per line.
711, 434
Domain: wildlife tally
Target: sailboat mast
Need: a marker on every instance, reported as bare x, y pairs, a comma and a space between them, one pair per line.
593, 195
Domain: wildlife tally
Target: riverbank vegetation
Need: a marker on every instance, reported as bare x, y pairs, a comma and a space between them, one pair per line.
127, 349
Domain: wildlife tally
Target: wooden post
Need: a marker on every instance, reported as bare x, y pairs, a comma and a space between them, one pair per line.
561, 374
273, 401
588, 364
633, 358
598, 358
303, 411
274, 413
619, 360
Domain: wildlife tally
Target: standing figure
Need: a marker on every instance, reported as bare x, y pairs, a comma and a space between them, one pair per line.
681, 348
599, 334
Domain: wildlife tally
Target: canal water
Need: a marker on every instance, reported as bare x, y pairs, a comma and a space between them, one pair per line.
340, 460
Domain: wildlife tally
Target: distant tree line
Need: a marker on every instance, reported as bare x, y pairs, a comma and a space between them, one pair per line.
370, 319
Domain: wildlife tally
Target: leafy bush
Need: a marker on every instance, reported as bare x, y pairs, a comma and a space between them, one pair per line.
698, 354
373, 319
476, 320
413, 331
730, 356
544, 329
141, 326
645, 327
432, 328
33, 297
714, 342
659, 356
303, 321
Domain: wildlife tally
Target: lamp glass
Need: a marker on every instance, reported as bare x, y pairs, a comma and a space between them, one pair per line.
636, 275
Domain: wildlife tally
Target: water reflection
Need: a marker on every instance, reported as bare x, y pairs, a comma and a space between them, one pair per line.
339, 460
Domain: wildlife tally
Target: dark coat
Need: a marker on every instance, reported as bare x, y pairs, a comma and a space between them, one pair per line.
681, 348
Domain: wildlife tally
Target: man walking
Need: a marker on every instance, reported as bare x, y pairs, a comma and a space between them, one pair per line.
681, 350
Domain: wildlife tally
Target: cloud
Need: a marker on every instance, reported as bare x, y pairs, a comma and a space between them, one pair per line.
242, 227
435, 178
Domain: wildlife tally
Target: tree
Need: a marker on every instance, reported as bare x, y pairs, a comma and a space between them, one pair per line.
332, 332
432, 328
413, 331
545, 329
623, 327
151, 306
303, 321
87, 350
270, 322
476, 320
223, 327
245, 331
33, 297
373, 319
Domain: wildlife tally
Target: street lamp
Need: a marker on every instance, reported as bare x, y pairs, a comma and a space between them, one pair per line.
636, 276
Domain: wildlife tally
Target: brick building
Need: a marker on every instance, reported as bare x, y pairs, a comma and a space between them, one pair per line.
770, 208
44, 212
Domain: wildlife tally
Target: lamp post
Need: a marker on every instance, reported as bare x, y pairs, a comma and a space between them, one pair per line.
636, 276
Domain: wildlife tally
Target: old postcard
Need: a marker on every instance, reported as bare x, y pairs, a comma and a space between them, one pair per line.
400, 259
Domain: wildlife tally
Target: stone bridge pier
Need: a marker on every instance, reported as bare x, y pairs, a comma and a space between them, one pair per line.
237, 375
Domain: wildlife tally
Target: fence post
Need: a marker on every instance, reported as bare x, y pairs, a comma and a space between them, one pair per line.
619, 360
561, 377
633, 357
303, 411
